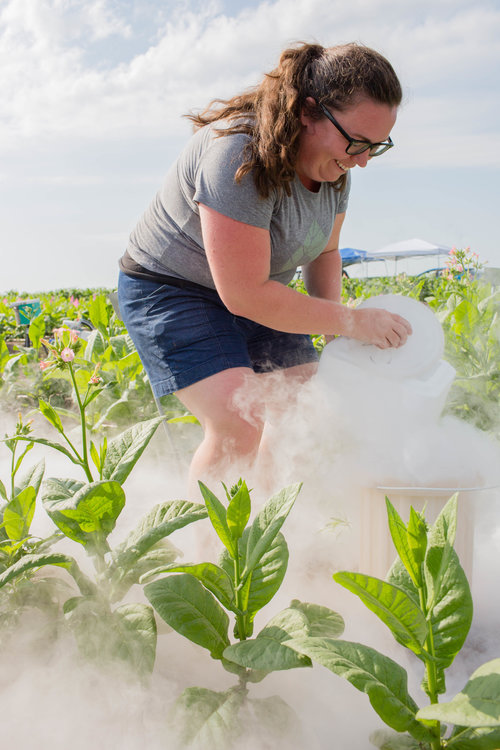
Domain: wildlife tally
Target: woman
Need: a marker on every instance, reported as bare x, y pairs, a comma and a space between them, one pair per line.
261, 189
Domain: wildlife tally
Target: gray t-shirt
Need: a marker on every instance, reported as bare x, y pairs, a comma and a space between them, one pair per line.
168, 240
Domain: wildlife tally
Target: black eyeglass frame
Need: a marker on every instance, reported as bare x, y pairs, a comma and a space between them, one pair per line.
361, 146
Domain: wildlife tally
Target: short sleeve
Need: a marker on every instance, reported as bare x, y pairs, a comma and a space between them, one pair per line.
216, 187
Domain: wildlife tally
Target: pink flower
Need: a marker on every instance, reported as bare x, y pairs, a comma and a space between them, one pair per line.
73, 337
58, 332
95, 380
67, 354
46, 363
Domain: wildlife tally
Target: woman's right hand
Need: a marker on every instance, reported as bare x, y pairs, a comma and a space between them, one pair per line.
380, 327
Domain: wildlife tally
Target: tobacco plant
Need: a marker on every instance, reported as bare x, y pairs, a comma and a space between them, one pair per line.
86, 512
426, 603
17, 509
105, 460
105, 629
201, 599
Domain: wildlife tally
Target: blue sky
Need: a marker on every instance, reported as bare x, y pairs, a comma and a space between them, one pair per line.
93, 93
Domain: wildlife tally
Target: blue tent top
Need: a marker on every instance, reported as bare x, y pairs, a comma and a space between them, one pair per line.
351, 255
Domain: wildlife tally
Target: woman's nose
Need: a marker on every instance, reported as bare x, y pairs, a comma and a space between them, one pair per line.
363, 158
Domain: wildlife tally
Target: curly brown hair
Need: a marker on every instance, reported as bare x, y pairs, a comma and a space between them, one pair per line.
270, 113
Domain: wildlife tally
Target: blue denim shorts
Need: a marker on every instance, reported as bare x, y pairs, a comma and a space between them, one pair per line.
184, 335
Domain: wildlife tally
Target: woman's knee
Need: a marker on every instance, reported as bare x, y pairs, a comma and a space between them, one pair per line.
235, 433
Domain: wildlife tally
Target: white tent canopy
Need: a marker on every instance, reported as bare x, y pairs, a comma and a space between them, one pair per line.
408, 249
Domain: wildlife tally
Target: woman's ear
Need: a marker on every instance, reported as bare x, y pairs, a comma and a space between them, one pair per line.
306, 116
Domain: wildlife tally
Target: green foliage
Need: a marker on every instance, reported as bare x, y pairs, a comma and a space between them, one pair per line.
426, 604
200, 599
87, 514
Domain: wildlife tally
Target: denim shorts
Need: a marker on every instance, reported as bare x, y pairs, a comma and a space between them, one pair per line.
184, 335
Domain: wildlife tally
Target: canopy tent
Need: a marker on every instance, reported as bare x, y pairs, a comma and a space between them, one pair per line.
396, 251
408, 249
350, 255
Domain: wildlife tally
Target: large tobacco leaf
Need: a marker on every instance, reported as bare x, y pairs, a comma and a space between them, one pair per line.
89, 515
268, 651
183, 602
266, 526
391, 604
125, 450
381, 678
477, 705
208, 719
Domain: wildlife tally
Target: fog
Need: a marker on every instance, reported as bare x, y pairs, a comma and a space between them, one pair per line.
343, 442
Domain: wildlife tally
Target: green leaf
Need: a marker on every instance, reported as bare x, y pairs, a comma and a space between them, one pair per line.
51, 444
268, 651
321, 621
18, 514
238, 511
34, 562
417, 536
125, 450
36, 330
146, 568
393, 741
191, 610
161, 521
3, 492
208, 719
482, 738
441, 537
61, 489
277, 719
89, 515
51, 415
135, 636
400, 537
381, 678
218, 518
185, 419
214, 579
266, 578
95, 347
392, 605
452, 613
99, 311
94, 455
477, 705
267, 524
32, 477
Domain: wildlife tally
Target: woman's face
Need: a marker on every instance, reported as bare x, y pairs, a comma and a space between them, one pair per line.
322, 153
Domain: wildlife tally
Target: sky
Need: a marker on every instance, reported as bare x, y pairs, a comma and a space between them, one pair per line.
94, 92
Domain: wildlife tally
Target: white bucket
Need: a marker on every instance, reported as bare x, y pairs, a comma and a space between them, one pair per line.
376, 548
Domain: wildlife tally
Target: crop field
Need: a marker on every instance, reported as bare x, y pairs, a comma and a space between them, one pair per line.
131, 615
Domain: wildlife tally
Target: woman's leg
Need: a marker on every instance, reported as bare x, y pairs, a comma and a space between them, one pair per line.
233, 407
281, 390
230, 409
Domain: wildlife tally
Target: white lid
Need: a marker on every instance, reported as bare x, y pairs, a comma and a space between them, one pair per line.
421, 352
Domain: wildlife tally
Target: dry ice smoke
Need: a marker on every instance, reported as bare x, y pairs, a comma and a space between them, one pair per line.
339, 450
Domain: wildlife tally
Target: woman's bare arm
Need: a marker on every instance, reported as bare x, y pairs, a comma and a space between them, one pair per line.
239, 257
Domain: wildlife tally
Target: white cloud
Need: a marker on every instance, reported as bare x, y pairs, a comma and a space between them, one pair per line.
445, 53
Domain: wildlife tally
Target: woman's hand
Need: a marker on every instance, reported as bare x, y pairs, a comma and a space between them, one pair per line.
380, 327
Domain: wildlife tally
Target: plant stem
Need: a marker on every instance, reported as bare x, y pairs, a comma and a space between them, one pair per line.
13, 470
430, 667
85, 457
240, 619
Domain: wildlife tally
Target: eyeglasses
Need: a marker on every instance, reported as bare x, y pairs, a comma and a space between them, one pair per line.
357, 147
